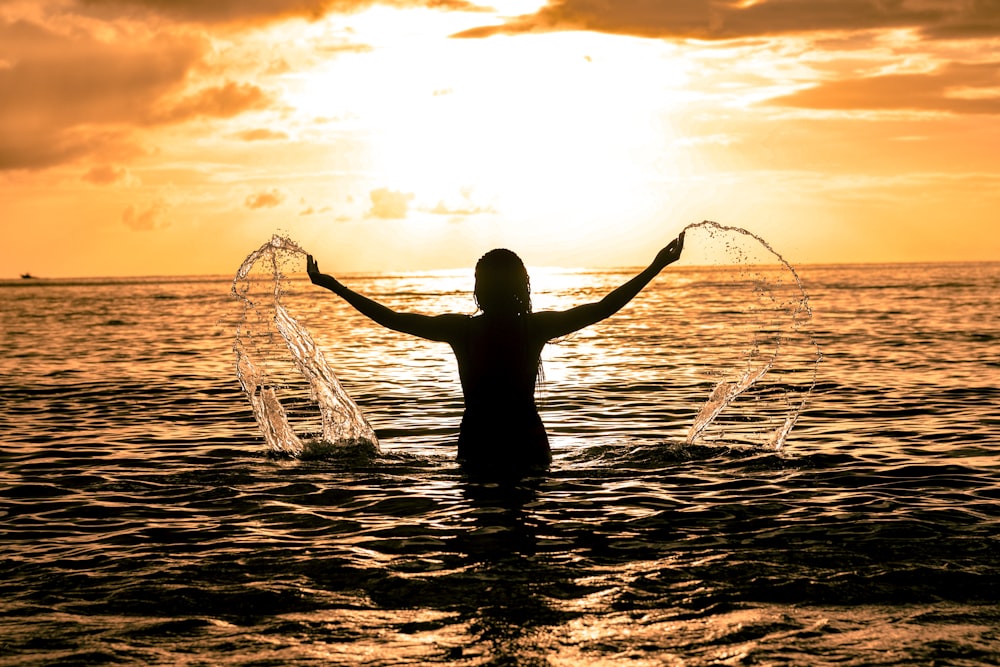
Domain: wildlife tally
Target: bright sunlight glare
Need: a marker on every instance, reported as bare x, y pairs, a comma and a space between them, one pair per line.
472, 126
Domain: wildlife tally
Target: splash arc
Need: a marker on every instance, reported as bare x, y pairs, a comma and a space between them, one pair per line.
275, 355
779, 332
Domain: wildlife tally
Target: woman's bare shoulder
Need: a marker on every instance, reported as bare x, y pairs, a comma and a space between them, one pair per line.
551, 324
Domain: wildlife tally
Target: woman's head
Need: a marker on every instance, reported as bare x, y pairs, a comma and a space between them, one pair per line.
502, 284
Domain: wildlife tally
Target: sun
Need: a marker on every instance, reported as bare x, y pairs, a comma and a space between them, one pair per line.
552, 122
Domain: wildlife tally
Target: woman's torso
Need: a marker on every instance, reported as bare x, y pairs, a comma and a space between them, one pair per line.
498, 360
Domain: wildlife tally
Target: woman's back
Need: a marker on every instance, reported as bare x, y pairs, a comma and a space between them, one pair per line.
498, 360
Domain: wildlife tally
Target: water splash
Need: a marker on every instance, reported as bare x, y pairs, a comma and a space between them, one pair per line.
778, 369
755, 399
276, 356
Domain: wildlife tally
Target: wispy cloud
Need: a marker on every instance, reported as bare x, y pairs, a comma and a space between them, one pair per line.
389, 204
225, 101
968, 88
148, 218
266, 199
441, 208
461, 207
108, 175
261, 134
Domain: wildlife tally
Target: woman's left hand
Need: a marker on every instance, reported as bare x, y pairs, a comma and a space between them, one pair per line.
312, 268
671, 253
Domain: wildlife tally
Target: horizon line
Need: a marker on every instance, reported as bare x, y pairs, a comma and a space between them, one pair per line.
20, 279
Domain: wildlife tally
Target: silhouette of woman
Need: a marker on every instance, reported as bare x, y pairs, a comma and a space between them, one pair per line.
498, 352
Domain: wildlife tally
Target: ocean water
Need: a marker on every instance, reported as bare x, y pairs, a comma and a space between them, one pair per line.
142, 520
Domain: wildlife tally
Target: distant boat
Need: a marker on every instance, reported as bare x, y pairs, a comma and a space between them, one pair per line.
27, 276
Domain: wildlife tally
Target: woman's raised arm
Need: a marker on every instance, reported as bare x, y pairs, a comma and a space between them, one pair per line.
440, 327
554, 324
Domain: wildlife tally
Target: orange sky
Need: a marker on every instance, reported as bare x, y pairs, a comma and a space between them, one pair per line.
157, 137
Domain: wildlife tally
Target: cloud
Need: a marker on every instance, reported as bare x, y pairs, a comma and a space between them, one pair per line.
107, 175
22, 148
225, 101
315, 211
957, 87
730, 19
465, 206
443, 209
968, 20
147, 219
344, 47
61, 81
261, 134
389, 204
66, 96
83, 78
73, 93
267, 199
311, 210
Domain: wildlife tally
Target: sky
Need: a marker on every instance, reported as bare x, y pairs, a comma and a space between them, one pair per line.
173, 137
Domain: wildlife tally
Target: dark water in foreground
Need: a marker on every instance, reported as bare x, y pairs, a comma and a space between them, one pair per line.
141, 522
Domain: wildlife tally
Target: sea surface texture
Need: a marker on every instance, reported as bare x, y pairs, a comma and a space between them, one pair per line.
144, 519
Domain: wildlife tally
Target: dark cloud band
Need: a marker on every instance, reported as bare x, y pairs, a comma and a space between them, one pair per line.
721, 20
251, 11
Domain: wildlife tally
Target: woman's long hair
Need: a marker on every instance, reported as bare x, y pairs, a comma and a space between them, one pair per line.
502, 284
